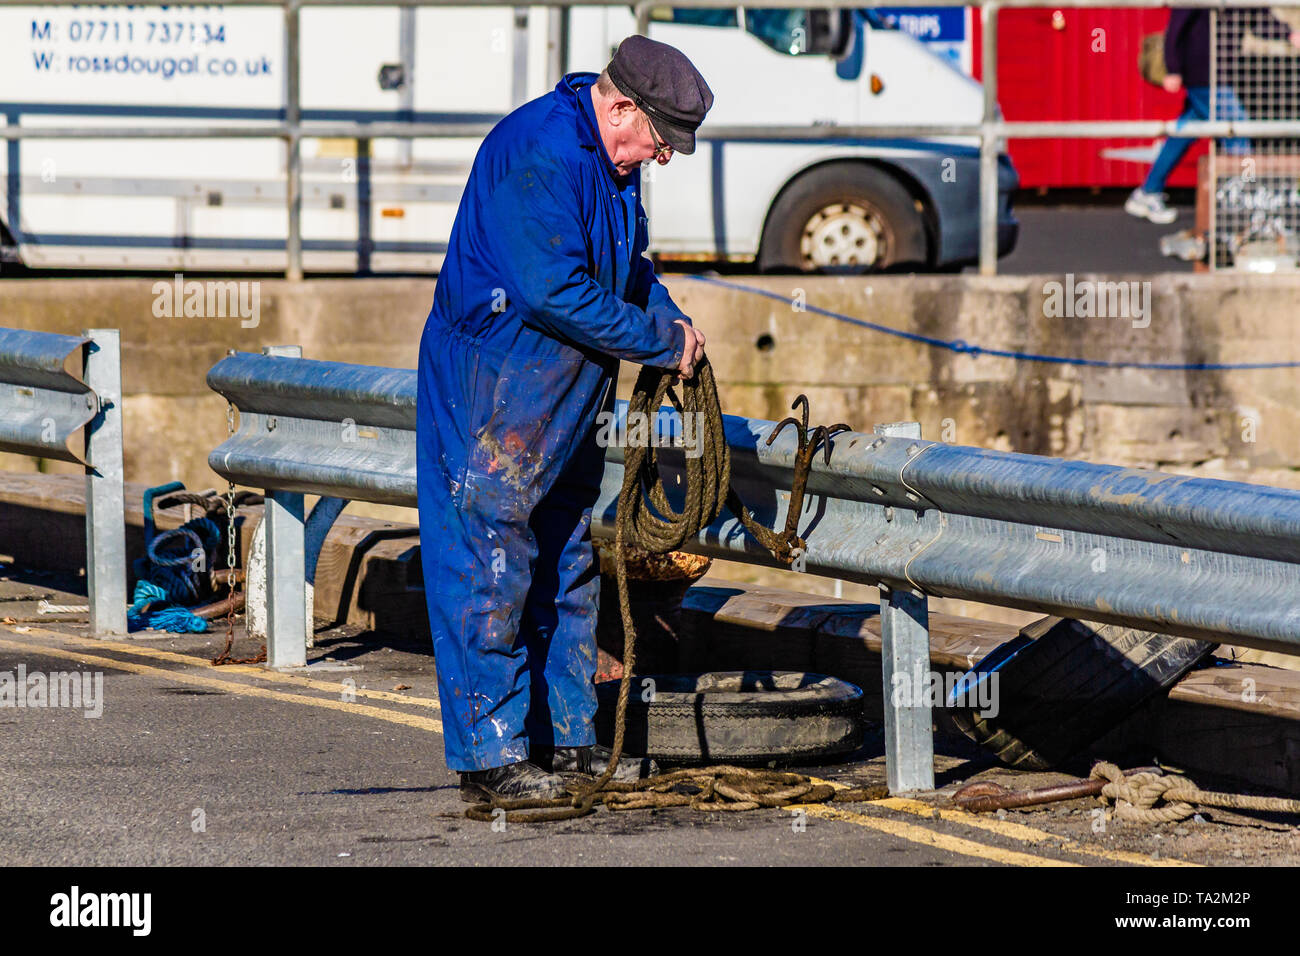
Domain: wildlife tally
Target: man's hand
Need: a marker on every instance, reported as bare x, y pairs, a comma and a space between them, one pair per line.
1173, 83
692, 349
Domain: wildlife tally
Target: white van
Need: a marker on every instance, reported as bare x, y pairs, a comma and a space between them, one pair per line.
388, 206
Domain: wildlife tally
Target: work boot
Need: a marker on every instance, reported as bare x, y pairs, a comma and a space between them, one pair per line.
516, 781
593, 761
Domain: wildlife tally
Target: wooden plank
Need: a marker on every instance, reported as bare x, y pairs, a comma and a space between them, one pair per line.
744, 627
42, 520
1249, 688
956, 643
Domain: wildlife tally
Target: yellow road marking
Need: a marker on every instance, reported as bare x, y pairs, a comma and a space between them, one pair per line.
940, 841
332, 687
1018, 831
247, 690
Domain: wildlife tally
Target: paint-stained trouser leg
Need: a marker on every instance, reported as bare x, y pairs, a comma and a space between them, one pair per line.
495, 436
476, 551
476, 581
559, 623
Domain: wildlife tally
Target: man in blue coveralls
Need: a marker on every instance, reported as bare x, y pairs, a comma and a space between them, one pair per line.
543, 290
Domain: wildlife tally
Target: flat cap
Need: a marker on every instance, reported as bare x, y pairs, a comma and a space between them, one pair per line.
661, 81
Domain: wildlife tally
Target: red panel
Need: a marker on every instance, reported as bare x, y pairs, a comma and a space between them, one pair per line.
1068, 63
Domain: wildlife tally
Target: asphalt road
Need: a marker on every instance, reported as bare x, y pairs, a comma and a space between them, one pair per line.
196, 765
288, 781
1096, 237
184, 763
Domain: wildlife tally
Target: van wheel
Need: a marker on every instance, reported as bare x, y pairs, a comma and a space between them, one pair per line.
843, 218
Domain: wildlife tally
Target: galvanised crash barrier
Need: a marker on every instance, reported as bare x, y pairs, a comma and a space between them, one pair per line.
60, 398
1195, 557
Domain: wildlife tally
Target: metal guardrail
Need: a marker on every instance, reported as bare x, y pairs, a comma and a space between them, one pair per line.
991, 130
56, 390
1202, 558
44, 399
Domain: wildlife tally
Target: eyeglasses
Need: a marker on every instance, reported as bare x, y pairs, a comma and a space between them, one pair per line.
661, 148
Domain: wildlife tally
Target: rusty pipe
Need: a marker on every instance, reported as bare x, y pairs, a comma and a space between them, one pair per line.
986, 797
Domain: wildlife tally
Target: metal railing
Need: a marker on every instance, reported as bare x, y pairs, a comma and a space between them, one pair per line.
60, 398
992, 131
1201, 558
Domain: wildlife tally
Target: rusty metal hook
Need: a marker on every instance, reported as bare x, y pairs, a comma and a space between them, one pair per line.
806, 452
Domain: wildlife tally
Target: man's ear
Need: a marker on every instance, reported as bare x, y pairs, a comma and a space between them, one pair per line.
621, 109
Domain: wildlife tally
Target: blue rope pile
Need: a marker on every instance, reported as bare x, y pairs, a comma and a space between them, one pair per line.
168, 577
145, 613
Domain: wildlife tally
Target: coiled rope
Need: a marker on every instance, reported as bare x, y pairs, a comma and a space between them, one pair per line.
646, 519
172, 554
1135, 796
153, 609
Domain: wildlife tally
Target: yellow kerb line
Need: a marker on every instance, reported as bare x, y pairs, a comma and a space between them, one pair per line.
927, 837
1012, 831
1018, 831
234, 687
332, 687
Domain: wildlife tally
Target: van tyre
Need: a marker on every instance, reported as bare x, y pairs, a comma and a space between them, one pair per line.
736, 717
843, 218
1063, 684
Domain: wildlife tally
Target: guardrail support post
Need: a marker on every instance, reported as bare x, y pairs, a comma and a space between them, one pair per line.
105, 510
905, 671
286, 566
285, 580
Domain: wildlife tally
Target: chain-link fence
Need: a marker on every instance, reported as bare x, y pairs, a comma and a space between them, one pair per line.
1250, 186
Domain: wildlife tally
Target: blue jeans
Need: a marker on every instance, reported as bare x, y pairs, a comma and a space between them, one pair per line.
1197, 107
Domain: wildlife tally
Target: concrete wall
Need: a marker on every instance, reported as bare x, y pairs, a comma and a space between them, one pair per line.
767, 349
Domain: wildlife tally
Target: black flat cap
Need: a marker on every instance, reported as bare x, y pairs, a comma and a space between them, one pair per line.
661, 81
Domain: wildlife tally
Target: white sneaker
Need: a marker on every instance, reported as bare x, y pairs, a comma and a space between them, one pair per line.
1149, 206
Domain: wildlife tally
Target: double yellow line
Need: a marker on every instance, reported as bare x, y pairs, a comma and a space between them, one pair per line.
337, 688
1007, 830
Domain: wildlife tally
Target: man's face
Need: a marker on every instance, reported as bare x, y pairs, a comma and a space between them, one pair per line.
633, 139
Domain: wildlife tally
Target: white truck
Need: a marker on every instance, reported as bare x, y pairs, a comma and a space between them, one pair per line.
387, 205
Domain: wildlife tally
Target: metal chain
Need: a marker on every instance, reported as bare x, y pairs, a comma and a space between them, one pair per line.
232, 580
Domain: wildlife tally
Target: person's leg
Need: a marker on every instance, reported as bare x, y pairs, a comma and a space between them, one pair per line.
560, 626
560, 621
1229, 108
477, 552
1175, 147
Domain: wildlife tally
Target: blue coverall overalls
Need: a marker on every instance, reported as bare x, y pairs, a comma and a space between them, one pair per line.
544, 288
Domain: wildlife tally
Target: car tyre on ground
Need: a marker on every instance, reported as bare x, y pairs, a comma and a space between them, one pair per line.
736, 717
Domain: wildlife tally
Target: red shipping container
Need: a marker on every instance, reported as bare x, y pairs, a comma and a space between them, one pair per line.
1067, 63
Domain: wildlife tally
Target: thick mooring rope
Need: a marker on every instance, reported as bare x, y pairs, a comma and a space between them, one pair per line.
1135, 796
658, 528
